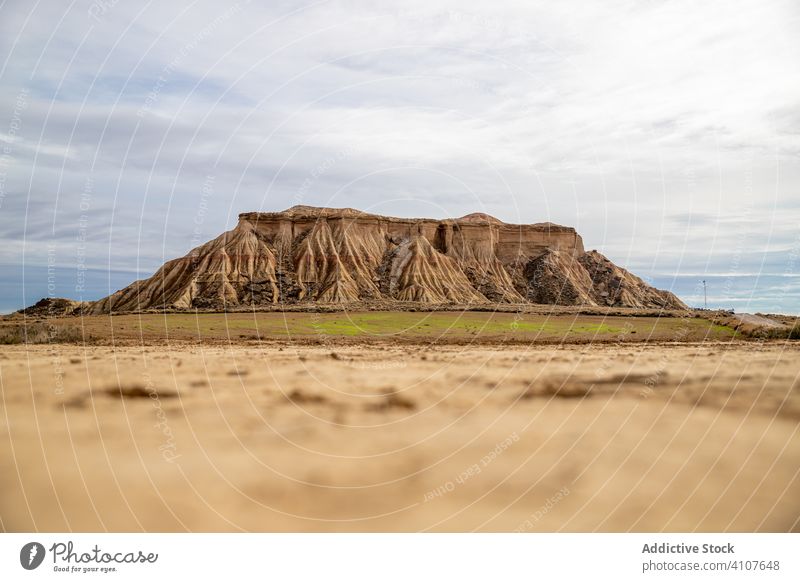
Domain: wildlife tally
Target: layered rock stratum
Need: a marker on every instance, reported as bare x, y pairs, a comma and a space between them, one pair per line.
327, 255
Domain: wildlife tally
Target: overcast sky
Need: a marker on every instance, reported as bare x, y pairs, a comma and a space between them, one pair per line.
667, 133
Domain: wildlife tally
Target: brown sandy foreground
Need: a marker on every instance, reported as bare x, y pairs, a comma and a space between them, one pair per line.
281, 436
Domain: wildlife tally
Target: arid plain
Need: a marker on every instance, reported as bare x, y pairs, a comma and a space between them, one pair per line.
373, 421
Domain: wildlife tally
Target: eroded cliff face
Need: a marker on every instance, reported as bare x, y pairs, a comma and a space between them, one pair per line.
327, 255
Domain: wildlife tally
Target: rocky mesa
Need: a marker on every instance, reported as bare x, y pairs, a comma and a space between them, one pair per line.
327, 255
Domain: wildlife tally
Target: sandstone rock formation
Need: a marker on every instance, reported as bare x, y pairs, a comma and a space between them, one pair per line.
327, 255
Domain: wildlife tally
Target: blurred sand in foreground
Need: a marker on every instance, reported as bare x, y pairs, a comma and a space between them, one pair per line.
385, 438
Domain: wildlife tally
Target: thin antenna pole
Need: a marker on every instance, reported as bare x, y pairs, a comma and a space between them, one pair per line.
705, 295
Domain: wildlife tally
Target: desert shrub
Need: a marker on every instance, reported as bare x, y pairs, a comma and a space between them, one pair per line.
40, 333
45, 333
791, 333
9, 336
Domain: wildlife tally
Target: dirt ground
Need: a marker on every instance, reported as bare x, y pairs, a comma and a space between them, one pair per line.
281, 436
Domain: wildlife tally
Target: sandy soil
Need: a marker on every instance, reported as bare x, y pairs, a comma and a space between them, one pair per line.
280, 437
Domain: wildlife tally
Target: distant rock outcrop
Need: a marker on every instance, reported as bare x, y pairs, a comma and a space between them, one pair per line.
54, 307
326, 255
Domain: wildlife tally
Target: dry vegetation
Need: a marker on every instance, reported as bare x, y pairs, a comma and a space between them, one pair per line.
40, 333
470, 327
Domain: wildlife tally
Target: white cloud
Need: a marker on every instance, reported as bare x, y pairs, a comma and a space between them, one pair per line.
613, 117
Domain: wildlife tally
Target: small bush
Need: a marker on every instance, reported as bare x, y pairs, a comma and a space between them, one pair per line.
791, 333
40, 333
10, 336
